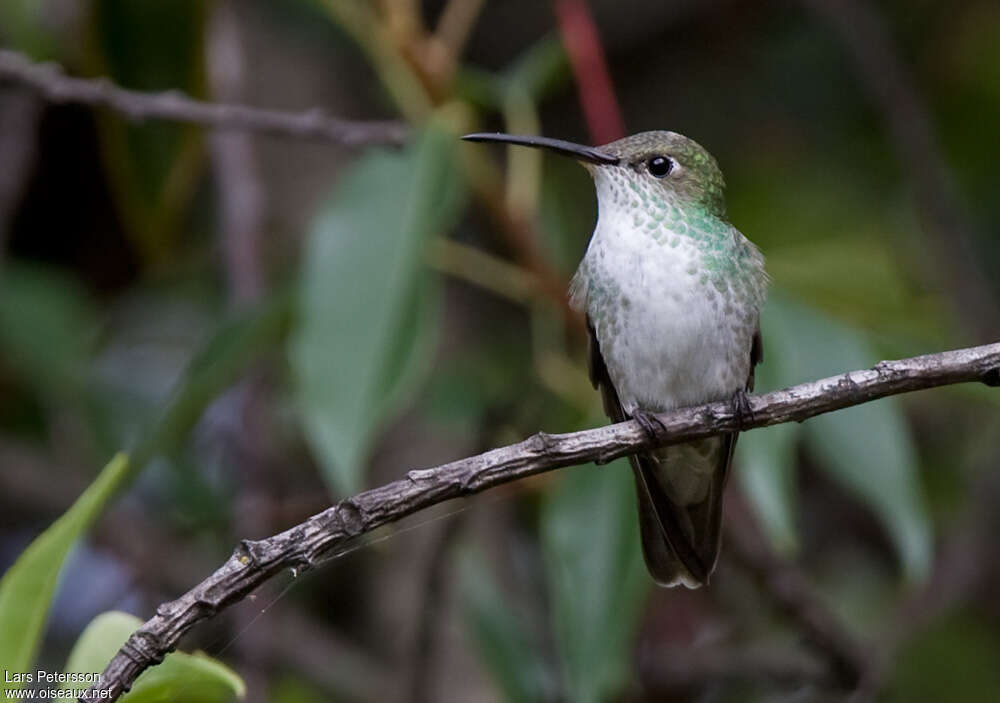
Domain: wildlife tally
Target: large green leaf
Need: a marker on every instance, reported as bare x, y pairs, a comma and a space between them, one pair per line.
766, 458
868, 448
590, 537
193, 678
366, 300
26, 589
515, 662
155, 168
766, 461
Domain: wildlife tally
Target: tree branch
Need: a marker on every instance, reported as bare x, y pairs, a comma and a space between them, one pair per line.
52, 84
304, 545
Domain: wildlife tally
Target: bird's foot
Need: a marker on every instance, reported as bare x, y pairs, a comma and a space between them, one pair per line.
742, 411
650, 424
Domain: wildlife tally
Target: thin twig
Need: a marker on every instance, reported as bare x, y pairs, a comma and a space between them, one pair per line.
305, 545
481, 269
241, 195
52, 84
241, 200
455, 25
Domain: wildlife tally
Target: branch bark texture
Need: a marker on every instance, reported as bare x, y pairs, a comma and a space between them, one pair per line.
305, 545
55, 86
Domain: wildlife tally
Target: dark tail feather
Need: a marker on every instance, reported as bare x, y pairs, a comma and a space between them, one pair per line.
680, 543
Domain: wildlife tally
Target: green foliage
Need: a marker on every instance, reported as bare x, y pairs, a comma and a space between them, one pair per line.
953, 660
23, 27
294, 690
193, 678
814, 180
153, 168
596, 584
233, 346
367, 302
867, 449
839, 245
513, 657
27, 588
47, 326
568, 211
766, 466
597, 580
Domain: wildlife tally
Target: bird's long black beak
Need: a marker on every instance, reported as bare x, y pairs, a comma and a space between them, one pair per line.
579, 152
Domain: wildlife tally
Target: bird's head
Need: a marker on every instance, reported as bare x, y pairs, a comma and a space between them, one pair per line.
658, 164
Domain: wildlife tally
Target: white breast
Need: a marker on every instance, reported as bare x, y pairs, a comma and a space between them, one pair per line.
668, 335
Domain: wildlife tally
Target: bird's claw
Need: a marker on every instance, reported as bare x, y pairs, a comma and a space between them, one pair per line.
649, 423
742, 410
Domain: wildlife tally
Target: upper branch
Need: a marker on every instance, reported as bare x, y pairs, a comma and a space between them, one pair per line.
55, 86
302, 546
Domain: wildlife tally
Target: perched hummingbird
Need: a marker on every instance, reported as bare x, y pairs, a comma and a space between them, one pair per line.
672, 294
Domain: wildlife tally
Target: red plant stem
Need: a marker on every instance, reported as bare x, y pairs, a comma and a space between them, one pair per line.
590, 68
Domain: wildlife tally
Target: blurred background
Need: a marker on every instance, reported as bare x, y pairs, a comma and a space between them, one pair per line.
268, 322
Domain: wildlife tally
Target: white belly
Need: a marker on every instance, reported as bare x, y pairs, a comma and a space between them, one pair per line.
668, 335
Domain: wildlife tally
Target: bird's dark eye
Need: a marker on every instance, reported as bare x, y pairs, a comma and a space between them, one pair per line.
660, 166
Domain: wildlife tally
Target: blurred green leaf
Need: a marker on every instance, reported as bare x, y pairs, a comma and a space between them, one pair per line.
154, 168
47, 325
590, 537
367, 300
514, 661
955, 660
23, 27
766, 460
26, 589
868, 448
410, 352
193, 678
835, 238
487, 376
568, 211
292, 689
540, 69
766, 457
858, 277
233, 346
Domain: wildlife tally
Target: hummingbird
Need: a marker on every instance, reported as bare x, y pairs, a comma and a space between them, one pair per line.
672, 294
